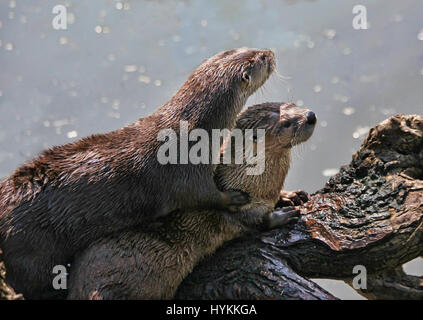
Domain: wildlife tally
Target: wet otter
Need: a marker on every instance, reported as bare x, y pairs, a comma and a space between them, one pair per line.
139, 264
71, 195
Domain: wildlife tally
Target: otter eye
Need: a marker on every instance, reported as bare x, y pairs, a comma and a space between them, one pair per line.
246, 77
286, 123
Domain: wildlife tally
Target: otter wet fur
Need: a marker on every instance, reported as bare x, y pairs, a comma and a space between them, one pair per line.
150, 264
71, 195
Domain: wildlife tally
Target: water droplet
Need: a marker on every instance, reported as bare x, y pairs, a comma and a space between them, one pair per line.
420, 35
421, 71
157, 83
111, 57
335, 80
72, 134
60, 123
23, 19
12, 4
387, 111
98, 29
204, 23
104, 99
119, 5
329, 172
349, 111
367, 78
116, 104
63, 40
144, 79
130, 68
115, 115
8, 46
346, 51
317, 88
341, 98
330, 33
360, 132
323, 124
299, 103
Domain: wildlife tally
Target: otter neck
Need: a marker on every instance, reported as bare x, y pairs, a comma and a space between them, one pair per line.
206, 108
264, 186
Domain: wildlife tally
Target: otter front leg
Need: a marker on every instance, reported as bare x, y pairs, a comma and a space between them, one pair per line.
204, 194
281, 217
292, 198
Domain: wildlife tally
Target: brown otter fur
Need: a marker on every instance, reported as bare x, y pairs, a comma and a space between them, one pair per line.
71, 195
140, 264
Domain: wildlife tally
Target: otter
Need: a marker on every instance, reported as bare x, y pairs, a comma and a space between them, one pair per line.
150, 264
71, 195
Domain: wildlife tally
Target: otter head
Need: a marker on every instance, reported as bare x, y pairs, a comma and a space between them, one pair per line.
244, 68
221, 85
285, 124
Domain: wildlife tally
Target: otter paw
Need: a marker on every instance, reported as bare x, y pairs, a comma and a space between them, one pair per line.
282, 217
236, 199
292, 198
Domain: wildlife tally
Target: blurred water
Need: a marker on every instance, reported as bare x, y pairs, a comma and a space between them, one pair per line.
119, 61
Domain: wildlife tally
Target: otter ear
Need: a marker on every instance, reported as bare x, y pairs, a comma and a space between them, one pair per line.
246, 77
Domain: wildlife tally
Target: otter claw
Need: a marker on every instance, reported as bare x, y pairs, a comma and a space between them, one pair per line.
281, 217
292, 198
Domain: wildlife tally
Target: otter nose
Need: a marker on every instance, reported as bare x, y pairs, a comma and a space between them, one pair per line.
311, 117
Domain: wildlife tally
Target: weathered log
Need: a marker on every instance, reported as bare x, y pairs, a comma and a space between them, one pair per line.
393, 284
369, 214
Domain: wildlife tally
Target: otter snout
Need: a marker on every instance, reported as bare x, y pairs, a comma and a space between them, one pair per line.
311, 118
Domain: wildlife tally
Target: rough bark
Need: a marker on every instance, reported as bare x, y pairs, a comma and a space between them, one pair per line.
369, 214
